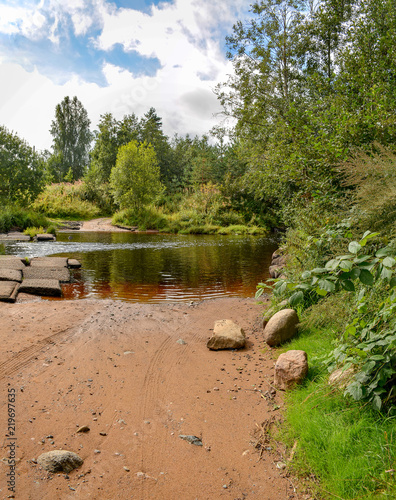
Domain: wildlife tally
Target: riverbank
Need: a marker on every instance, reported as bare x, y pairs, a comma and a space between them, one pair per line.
139, 375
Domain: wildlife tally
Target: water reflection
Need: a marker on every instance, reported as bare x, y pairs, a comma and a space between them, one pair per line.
155, 268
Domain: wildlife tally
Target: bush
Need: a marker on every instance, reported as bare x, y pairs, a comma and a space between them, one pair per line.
66, 200
20, 218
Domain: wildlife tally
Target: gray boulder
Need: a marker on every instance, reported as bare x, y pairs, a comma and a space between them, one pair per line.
290, 369
281, 327
226, 335
275, 271
59, 461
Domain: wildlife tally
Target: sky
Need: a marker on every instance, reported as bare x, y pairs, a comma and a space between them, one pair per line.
121, 56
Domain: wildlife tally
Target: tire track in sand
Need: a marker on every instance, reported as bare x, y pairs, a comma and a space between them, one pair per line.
22, 358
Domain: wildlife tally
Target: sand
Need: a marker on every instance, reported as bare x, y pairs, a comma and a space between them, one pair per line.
138, 375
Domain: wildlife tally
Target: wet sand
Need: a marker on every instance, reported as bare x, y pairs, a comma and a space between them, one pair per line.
119, 369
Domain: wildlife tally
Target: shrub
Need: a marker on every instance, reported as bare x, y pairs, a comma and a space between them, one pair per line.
66, 200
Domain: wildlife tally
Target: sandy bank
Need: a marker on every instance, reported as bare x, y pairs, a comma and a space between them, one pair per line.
117, 367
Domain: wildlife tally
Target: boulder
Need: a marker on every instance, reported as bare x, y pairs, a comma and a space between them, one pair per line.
226, 335
275, 271
281, 327
340, 378
59, 461
47, 288
290, 369
280, 260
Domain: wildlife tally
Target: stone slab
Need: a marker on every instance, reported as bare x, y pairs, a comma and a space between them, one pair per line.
7, 289
13, 263
10, 275
61, 274
47, 287
73, 263
14, 237
45, 237
50, 262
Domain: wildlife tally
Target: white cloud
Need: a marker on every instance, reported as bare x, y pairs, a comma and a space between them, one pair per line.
185, 36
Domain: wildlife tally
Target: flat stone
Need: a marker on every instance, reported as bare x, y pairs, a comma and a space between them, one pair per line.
14, 237
45, 237
73, 263
50, 262
275, 271
49, 288
61, 274
11, 263
226, 335
7, 289
10, 275
59, 461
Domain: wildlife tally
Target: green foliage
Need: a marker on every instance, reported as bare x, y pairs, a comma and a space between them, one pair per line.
369, 341
21, 170
16, 217
34, 231
66, 200
135, 180
71, 140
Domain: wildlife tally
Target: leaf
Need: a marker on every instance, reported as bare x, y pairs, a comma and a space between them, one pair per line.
383, 252
354, 247
366, 277
346, 265
392, 282
296, 298
326, 285
348, 285
355, 390
377, 403
305, 275
355, 273
319, 270
386, 274
321, 292
332, 264
389, 262
377, 357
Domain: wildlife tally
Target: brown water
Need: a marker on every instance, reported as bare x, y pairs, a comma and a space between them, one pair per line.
155, 267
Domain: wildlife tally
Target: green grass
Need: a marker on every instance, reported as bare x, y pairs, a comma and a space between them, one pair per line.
346, 445
66, 200
21, 218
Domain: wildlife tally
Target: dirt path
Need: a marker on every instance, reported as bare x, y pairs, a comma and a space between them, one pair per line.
118, 368
103, 224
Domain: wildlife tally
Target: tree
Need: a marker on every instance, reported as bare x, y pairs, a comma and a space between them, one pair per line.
135, 179
151, 132
21, 170
71, 138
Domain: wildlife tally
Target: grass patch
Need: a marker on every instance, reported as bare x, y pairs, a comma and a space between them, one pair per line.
346, 445
66, 200
21, 218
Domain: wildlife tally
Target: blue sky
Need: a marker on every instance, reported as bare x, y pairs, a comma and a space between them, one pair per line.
122, 56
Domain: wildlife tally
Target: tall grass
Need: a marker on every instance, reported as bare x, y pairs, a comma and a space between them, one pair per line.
21, 218
66, 200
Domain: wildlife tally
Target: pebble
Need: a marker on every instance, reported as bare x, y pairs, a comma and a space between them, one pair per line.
126, 468
96, 451
83, 428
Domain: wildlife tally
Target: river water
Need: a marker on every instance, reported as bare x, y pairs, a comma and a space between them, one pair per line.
141, 267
